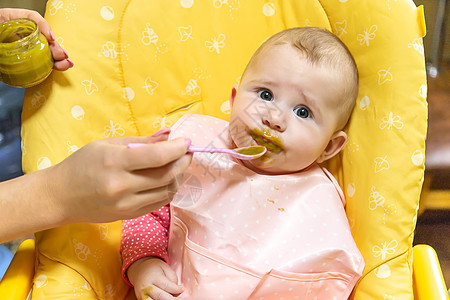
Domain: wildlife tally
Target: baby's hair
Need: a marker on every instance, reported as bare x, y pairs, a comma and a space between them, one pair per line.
321, 47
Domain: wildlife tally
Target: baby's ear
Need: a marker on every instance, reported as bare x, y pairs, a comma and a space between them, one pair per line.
233, 94
336, 143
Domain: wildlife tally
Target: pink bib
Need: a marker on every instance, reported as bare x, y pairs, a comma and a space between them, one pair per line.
236, 234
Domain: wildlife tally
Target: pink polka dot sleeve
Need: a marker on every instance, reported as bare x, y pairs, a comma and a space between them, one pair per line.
145, 236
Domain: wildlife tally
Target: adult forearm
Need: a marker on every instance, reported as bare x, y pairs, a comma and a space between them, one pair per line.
27, 207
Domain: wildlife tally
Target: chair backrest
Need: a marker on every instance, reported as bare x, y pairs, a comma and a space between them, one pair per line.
140, 65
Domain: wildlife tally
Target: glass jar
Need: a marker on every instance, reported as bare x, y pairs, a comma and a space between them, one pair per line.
25, 57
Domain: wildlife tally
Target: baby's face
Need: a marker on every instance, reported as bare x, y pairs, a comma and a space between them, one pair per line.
288, 105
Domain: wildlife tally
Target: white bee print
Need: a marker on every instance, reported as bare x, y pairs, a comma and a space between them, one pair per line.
192, 89
386, 248
367, 36
149, 36
161, 123
108, 50
375, 199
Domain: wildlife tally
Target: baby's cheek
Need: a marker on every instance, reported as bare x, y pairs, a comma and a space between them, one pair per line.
239, 134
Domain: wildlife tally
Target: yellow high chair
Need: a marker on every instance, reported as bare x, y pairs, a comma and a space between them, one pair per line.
141, 64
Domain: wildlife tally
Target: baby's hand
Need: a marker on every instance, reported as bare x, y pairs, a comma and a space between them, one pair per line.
153, 278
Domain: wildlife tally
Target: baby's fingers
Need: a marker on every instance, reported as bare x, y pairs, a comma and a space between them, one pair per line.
169, 286
154, 293
172, 276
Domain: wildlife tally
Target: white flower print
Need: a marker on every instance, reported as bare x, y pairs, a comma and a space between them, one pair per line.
113, 129
391, 121
216, 43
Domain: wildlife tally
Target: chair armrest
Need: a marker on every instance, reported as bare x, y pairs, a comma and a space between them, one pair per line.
427, 275
18, 279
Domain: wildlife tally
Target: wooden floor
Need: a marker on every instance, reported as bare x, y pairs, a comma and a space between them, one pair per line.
433, 226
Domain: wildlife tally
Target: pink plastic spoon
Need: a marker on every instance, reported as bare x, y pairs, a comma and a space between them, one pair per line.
244, 153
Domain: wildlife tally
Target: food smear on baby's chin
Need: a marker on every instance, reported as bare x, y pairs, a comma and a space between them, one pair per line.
266, 139
265, 158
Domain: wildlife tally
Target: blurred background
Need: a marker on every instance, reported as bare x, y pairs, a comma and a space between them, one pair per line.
433, 225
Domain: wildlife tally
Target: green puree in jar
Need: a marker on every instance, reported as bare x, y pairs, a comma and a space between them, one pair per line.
25, 57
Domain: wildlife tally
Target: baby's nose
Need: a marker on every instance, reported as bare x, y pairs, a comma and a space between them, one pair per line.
275, 122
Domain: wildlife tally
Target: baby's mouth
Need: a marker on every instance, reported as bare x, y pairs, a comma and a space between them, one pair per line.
266, 139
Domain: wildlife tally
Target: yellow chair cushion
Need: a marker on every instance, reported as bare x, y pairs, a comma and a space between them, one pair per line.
140, 65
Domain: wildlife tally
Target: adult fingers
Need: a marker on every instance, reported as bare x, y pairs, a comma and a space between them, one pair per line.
148, 179
146, 209
124, 141
63, 65
146, 202
60, 57
14, 13
58, 52
154, 155
164, 131
44, 27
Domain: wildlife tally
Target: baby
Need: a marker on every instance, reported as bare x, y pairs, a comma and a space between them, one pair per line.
269, 228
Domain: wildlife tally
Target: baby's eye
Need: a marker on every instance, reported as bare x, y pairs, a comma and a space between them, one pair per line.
302, 112
265, 95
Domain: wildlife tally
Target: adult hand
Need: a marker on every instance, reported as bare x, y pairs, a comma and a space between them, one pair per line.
102, 182
60, 56
107, 181
153, 278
